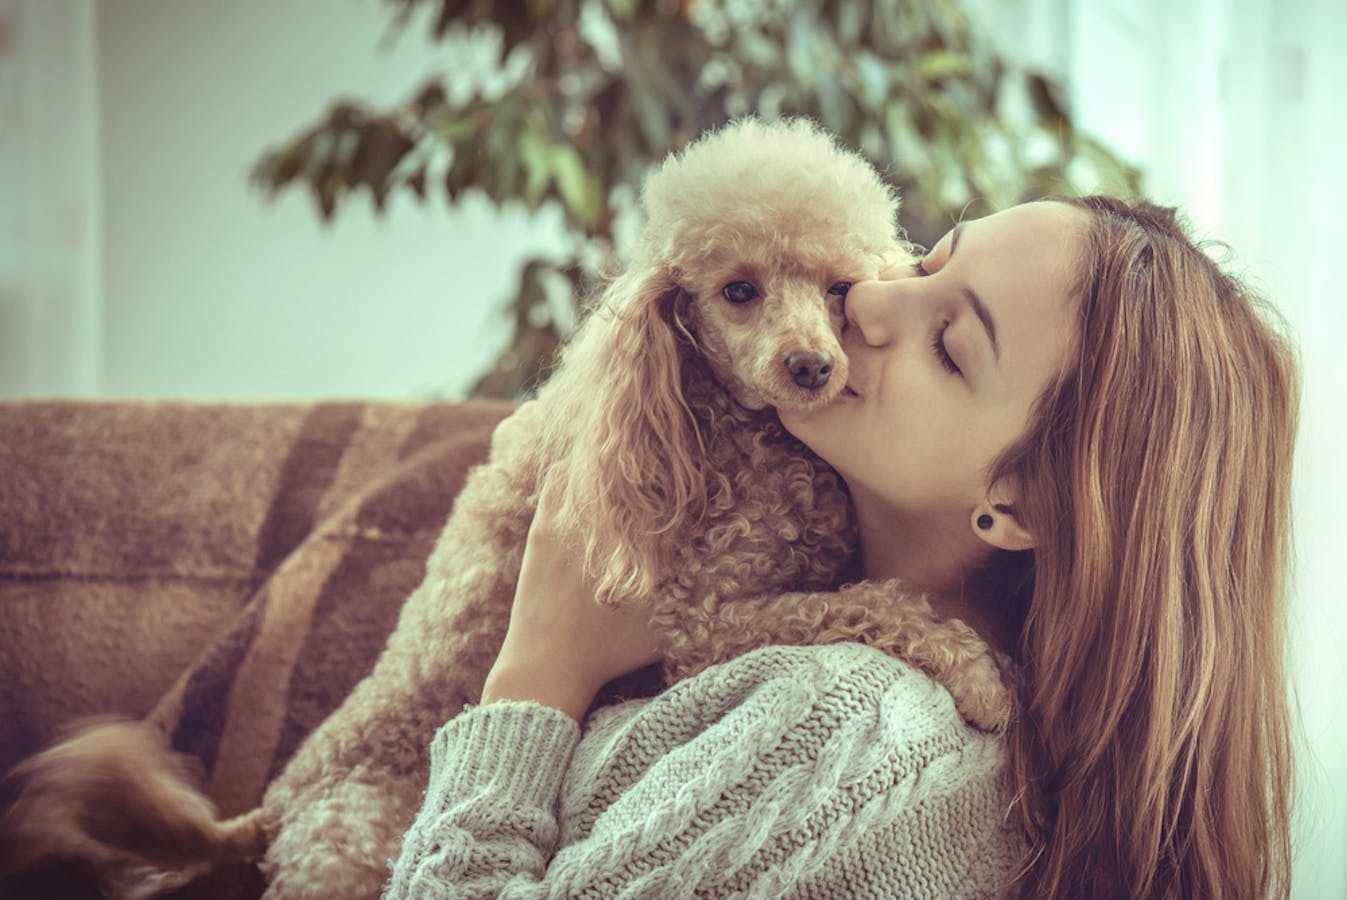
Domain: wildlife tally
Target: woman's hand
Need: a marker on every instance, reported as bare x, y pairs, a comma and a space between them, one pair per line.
561, 645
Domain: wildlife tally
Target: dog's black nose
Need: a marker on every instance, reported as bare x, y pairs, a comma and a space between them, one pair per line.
810, 370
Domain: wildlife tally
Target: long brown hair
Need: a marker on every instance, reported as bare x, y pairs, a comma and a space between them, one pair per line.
1153, 757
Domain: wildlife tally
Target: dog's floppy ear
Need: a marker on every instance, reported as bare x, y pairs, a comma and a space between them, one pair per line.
641, 445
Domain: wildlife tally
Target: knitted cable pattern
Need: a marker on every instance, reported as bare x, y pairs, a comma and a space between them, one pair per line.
833, 771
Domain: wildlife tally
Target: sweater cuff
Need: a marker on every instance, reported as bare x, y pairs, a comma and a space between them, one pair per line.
518, 751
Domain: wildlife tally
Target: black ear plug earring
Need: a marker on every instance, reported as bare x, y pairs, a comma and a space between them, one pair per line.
985, 522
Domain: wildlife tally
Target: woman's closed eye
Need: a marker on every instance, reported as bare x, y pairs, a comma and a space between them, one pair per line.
938, 348
918, 268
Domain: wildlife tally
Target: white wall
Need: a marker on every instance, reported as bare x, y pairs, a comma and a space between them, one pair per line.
210, 292
1306, 190
50, 240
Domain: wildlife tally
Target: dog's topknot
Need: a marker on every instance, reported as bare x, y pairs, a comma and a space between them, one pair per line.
790, 172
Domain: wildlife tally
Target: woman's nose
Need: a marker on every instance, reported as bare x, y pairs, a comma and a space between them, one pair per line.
870, 308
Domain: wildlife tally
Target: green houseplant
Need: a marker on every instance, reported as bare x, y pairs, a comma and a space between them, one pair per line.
601, 89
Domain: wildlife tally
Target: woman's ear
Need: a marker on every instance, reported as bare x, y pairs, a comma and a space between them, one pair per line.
996, 521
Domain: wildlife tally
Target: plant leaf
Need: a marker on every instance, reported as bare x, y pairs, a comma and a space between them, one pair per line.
580, 190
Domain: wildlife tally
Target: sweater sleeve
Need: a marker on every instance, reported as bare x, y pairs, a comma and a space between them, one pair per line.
488, 825
812, 772
834, 771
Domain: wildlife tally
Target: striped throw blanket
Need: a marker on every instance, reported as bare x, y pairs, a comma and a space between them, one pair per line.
227, 572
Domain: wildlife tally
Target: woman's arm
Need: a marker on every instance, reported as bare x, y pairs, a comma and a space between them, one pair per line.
489, 815
561, 646
488, 826
791, 770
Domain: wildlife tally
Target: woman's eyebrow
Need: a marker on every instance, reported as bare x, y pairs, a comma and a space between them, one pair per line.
985, 317
979, 308
954, 238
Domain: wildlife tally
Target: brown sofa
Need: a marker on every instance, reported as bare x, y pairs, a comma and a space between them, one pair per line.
227, 572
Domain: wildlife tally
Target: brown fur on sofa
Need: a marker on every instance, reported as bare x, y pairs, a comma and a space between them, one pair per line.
227, 571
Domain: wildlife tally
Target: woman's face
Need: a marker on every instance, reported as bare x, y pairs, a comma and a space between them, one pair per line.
945, 365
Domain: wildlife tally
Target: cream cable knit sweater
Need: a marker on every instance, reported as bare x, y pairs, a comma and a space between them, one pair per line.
833, 771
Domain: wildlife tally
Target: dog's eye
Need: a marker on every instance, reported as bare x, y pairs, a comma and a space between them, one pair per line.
840, 288
739, 292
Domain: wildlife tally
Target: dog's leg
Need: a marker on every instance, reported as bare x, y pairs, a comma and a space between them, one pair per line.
879, 614
336, 815
339, 810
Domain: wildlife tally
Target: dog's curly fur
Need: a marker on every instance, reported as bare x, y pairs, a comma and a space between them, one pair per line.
659, 431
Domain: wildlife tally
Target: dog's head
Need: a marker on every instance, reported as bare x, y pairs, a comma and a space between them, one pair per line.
761, 228
754, 234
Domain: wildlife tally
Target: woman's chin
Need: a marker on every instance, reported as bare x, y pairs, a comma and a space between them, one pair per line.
795, 418
812, 427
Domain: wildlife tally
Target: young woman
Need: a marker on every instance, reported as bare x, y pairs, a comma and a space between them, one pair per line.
1073, 432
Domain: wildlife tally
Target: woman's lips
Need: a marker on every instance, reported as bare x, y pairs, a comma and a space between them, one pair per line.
849, 391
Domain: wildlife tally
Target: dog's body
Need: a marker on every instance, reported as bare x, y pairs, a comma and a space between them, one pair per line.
356, 783
659, 431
